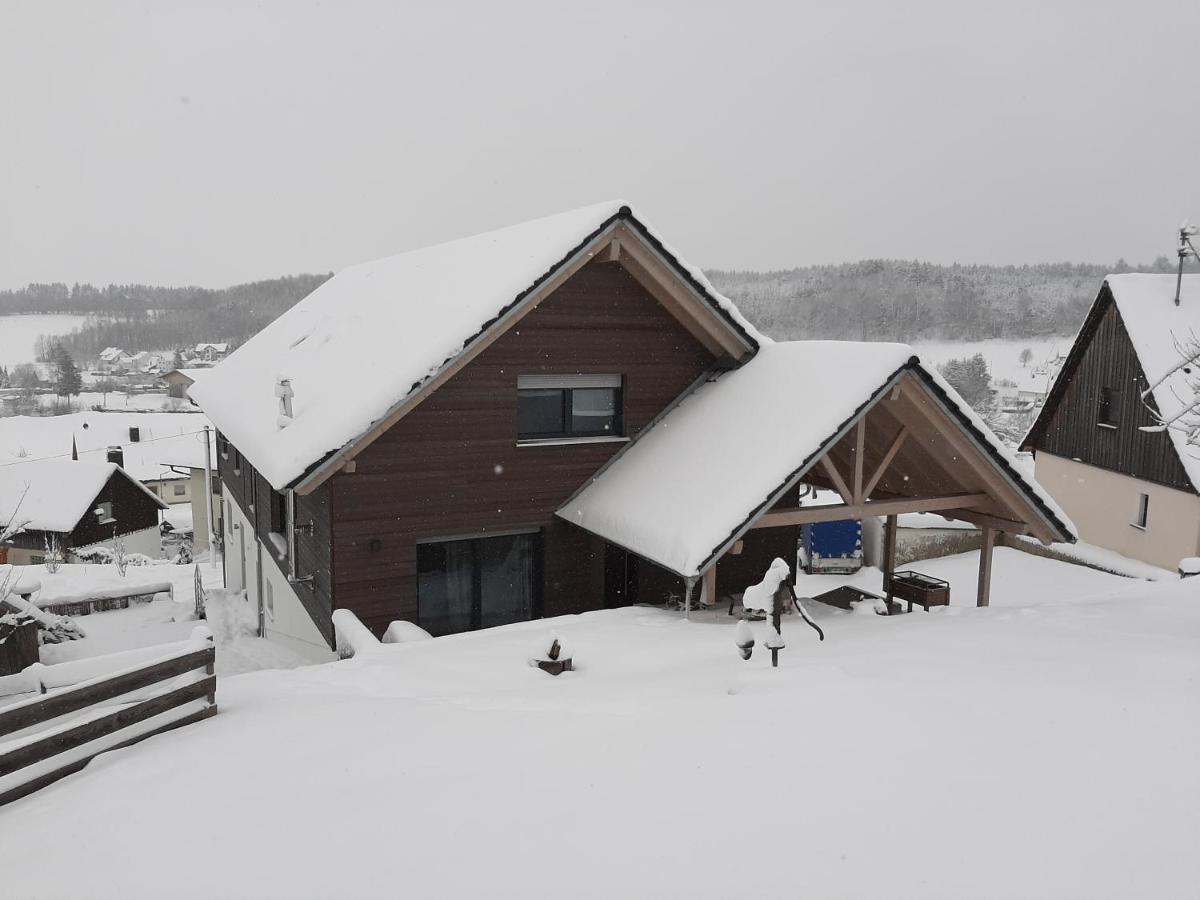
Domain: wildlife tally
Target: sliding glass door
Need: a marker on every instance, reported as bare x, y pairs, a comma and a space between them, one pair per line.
477, 583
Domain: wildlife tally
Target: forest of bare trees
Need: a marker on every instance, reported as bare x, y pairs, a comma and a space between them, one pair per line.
882, 299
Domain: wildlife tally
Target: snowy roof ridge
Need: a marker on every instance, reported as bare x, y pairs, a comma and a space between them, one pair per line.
657, 511
55, 494
1156, 328
418, 310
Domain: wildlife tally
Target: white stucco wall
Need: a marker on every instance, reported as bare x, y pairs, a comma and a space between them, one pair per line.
1104, 505
286, 620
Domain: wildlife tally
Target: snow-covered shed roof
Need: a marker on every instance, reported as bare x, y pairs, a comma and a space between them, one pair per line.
161, 437
54, 494
1160, 332
375, 334
700, 475
219, 348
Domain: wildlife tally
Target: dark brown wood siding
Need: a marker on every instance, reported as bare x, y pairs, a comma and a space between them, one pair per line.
132, 507
252, 493
452, 466
1071, 429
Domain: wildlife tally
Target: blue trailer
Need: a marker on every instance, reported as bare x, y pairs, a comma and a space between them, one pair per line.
832, 547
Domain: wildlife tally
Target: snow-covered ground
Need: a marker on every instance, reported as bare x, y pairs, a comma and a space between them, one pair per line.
149, 401
18, 334
1003, 355
1044, 747
159, 622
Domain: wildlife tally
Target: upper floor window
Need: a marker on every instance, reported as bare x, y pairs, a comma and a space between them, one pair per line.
1110, 408
569, 406
1143, 511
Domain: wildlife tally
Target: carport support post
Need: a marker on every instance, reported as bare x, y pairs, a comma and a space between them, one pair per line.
985, 566
889, 556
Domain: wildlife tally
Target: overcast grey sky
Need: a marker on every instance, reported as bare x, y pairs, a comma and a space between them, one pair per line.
213, 143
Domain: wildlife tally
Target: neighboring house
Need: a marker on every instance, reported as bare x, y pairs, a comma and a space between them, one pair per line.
210, 353
189, 457
557, 417
112, 360
1128, 489
139, 442
179, 380
75, 505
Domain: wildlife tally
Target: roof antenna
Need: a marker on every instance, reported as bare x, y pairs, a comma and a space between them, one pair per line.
1186, 233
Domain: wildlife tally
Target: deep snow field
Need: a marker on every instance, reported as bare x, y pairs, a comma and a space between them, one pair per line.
1045, 747
19, 334
1003, 355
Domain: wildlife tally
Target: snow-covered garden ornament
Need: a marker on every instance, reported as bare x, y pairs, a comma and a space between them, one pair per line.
556, 659
771, 596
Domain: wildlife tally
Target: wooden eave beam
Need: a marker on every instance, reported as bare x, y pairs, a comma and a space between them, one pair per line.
809, 514
860, 447
665, 285
892, 450
839, 483
983, 520
975, 457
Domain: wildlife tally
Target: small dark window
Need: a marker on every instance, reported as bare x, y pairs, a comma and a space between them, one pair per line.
135, 434
279, 511
1143, 510
570, 407
1110, 407
237, 462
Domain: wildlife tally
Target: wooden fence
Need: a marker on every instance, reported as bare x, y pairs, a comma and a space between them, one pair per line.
39, 744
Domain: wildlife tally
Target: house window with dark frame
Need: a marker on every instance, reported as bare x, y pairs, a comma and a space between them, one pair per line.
278, 535
1143, 511
563, 407
1110, 408
178, 490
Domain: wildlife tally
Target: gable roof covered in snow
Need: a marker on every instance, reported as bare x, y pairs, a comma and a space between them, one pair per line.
690, 484
1161, 334
372, 338
159, 438
55, 494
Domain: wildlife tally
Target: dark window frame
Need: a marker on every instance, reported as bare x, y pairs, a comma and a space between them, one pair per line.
1108, 409
566, 391
1143, 512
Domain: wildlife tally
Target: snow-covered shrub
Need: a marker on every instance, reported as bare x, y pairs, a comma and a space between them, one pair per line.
53, 554
120, 559
94, 555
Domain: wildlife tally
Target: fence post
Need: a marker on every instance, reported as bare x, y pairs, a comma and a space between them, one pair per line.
198, 586
202, 636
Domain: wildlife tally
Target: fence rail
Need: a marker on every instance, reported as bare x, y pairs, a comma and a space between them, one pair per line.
38, 745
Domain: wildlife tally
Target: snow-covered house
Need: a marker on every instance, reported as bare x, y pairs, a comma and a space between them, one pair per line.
112, 360
1129, 486
179, 380
210, 353
561, 416
74, 505
139, 441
